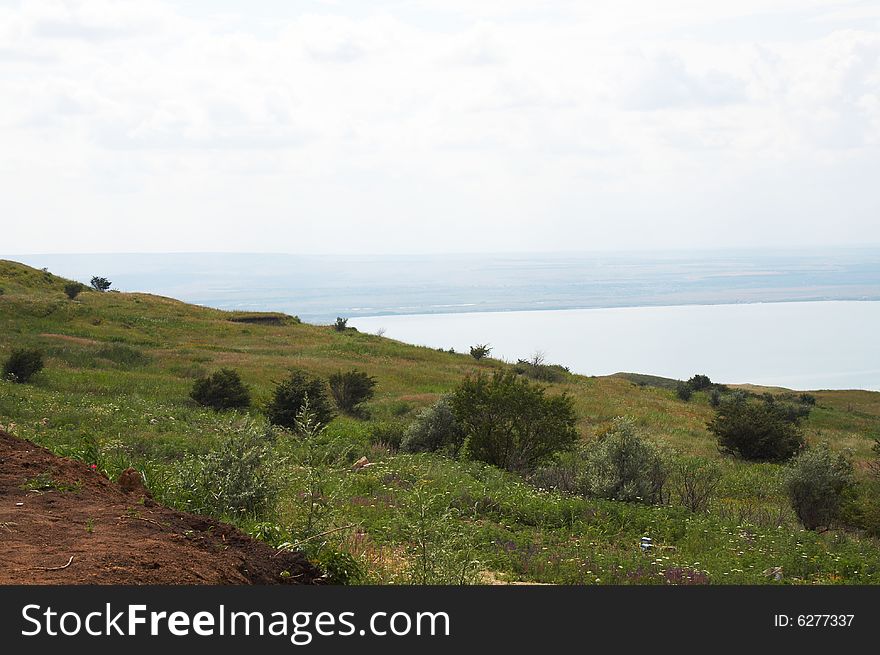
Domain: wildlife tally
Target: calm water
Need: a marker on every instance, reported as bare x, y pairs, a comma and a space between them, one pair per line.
320, 288
728, 314
800, 345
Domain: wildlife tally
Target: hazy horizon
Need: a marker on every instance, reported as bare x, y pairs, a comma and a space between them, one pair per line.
318, 288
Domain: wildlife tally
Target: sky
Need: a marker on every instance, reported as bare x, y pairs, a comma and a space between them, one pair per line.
432, 126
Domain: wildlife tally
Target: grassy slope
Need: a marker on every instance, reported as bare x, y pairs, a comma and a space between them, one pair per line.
121, 365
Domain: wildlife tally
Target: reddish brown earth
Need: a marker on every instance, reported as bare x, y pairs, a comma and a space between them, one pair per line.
114, 536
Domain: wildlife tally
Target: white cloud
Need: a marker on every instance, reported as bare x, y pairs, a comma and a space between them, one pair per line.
437, 125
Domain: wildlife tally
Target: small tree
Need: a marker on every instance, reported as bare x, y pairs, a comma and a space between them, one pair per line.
72, 289
624, 466
480, 351
22, 365
341, 324
222, 390
434, 430
762, 431
512, 423
817, 481
100, 283
291, 394
350, 389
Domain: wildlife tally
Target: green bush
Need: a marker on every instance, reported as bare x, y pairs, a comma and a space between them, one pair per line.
536, 369
480, 351
700, 383
764, 431
817, 481
683, 391
340, 567
235, 480
511, 423
693, 482
22, 365
341, 324
100, 283
350, 389
434, 430
389, 435
73, 289
623, 466
291, 395
221, 390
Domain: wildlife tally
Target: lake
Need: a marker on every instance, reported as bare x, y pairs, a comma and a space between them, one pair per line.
799, 345
728, 314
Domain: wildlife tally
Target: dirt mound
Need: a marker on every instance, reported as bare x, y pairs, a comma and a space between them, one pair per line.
63, 523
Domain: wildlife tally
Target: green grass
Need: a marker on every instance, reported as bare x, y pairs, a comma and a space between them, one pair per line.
119, 368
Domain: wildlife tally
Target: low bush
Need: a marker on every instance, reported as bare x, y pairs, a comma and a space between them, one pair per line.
389, 435
22, 365
480, 351
512, 423
73, 289
623, 466
291, 395
221, 390
350, 389
763, 431
700, 382
817, 481
234, 480
435, 430
341, 324
100, 283
683, 391
537, 369
693, 482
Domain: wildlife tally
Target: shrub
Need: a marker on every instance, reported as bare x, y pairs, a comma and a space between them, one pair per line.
623, 466
350, 389
340, 567
222, 390
807, 399
233, 480
290, 396
100, 283
565, 473
73, 289
389, 435
536, 369
683, 391
511, 423
435, 430
22, 365
714, 398
756, 431
700, 383
480, 351
693, 482
817, 481
236, 477
340, 324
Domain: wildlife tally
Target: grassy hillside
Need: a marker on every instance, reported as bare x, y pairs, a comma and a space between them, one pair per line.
115, 391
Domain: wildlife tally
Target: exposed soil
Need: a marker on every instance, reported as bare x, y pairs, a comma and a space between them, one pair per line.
63, 523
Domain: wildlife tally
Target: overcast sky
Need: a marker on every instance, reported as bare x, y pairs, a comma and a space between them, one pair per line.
437, 125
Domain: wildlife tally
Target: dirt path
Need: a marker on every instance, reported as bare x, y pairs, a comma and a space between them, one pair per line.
62, 523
